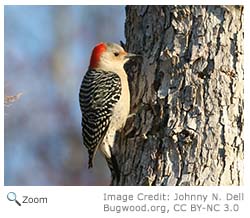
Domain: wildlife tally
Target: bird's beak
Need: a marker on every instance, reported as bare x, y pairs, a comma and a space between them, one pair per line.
130, 55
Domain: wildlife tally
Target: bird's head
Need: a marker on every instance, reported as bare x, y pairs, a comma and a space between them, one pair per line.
109, 57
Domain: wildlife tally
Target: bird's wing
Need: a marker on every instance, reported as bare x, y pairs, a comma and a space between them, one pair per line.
99, 92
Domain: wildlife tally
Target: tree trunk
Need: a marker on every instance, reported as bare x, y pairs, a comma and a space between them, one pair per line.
186, 97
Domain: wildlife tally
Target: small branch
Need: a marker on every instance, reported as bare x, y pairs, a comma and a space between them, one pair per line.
8, 99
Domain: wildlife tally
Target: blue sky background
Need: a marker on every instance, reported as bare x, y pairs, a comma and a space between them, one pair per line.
46, 53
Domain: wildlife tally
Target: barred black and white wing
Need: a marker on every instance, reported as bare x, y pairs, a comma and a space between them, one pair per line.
99, 93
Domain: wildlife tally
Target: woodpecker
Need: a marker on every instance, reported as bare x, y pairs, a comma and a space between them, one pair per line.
104, 101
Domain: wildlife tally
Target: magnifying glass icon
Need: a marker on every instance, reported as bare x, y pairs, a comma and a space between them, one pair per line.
11, 196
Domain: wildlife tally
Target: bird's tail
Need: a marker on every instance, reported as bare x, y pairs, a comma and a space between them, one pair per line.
91, 157
113, 166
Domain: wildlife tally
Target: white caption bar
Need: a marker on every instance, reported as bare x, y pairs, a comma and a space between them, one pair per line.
124, 201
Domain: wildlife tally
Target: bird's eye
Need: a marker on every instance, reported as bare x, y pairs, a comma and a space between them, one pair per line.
116, 54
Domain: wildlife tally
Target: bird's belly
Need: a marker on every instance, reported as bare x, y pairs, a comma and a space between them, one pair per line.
120, 112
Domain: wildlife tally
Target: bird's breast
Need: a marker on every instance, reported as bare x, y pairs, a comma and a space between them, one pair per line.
121, 109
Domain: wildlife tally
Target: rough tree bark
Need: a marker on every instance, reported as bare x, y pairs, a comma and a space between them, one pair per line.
187, 97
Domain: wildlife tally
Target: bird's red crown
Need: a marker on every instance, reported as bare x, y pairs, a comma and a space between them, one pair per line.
96, 53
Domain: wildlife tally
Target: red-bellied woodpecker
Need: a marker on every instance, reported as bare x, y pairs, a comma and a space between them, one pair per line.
105, 101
